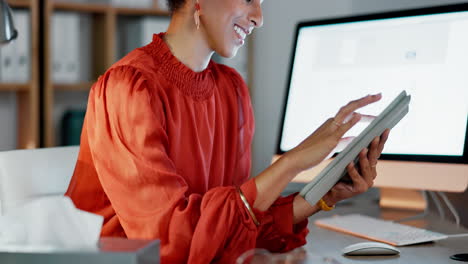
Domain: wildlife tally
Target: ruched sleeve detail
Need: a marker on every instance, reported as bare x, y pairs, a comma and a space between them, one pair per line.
276, 232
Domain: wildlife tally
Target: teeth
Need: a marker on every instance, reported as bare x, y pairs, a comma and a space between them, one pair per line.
240, 32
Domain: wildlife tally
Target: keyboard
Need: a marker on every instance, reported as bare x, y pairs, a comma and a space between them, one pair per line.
379, 230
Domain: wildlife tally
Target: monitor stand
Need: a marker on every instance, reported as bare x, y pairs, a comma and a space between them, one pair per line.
403, 184
402, 199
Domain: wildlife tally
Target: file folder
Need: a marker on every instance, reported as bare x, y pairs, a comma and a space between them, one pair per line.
331, 174
65, 47
7, 64
22, 60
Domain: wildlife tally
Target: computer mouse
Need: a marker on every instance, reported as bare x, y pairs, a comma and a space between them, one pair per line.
370, 249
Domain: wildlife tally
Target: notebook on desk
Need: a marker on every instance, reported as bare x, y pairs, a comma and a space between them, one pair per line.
379, 230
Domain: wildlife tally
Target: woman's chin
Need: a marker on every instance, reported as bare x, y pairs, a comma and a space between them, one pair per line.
228, 53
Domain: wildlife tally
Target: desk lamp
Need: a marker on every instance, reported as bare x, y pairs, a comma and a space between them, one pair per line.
7, 28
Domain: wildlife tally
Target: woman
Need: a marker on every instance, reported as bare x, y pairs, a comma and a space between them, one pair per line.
165, 147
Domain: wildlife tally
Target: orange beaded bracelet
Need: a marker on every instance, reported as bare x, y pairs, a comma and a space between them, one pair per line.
324, 206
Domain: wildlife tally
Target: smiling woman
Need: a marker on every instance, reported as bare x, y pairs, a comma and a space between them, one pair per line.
165, 147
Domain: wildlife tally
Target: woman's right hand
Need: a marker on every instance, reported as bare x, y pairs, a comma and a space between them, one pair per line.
315, 148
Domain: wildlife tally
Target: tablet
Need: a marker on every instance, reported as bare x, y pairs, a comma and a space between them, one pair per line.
331, 174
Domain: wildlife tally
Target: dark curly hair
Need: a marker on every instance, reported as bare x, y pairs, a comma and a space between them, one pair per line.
175, 4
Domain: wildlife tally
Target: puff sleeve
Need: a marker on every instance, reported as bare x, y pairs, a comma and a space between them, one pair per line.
128, 144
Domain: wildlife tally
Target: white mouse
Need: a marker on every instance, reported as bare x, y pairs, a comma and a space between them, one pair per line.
370, 249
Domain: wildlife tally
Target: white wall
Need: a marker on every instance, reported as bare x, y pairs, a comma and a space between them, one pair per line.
272, 48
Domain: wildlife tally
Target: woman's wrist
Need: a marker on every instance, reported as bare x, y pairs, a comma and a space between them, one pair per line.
272, 181
290, 163
328, 199
302, 209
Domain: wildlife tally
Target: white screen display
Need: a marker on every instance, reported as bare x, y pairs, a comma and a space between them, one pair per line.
425, 55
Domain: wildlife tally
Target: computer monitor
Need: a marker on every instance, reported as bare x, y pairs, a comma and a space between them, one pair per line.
423, 51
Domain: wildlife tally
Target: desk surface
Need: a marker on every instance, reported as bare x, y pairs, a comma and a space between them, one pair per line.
327, 243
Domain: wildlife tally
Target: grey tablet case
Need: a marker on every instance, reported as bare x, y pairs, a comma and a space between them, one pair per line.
329, 176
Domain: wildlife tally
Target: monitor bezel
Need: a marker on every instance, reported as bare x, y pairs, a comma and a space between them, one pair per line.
369, 17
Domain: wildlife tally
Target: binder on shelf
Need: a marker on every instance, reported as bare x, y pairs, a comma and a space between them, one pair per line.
17, 51
144, 3
22, 59
86, 1
8, 68
85, 49
138, 31
132, 3
71, 47
71, 50
72, 124
76, 1
336, 169
8, 121
113, 2
58, 46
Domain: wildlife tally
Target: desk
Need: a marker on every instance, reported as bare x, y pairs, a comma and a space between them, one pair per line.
327, 243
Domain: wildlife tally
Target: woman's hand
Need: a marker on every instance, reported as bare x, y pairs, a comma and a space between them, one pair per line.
272, 181
320, 144
362, 179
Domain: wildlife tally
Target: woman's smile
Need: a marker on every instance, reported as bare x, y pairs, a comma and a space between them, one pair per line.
240, 33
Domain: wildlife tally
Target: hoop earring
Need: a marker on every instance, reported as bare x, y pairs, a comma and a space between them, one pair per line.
196, 15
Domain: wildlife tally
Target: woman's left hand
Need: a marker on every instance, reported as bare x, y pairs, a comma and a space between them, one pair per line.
362, 179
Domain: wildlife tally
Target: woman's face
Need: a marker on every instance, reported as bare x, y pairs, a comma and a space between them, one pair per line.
228, 22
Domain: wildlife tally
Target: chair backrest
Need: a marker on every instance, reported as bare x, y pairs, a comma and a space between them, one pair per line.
30, 173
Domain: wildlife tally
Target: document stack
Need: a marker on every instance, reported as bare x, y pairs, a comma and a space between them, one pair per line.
135, 32
71, 47
15, 58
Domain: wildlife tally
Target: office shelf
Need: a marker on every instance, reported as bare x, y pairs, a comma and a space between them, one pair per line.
20, 3
14, 87
141, 12
84, 86
80, 7
27, 95
104, 51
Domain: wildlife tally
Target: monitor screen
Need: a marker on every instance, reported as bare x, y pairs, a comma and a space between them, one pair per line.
424, 52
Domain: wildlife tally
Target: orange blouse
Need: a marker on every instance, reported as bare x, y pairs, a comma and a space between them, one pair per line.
162, 151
